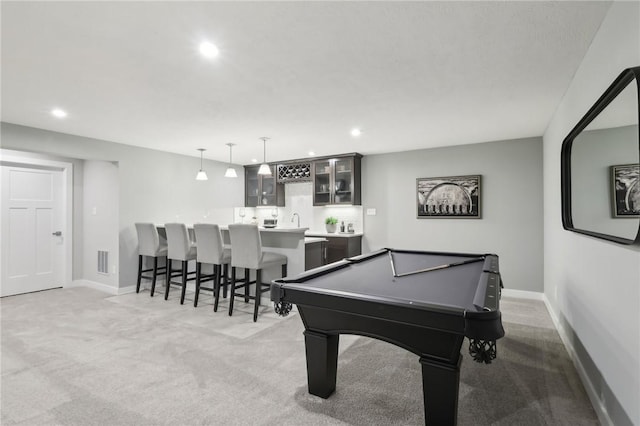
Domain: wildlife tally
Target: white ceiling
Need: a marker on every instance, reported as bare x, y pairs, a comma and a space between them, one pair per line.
411, 75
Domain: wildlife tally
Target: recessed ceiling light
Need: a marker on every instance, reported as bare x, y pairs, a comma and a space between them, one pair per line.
57, 112
254, 160
311, 153
356, 132
208, 50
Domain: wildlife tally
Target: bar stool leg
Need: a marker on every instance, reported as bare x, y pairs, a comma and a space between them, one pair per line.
139, 273
216, 286
226, 280
247, 279
258, 294
169, 272
155, 275
184, 281
198, 278
233, 289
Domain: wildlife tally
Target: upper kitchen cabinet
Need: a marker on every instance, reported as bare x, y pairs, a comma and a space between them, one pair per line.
337, 180
262, 190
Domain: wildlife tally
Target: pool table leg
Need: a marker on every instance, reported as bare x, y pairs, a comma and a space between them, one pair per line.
440, 382
322, 362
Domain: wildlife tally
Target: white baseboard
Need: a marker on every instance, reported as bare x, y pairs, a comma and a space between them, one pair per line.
598, 406
522, 294
126, 290
103, 287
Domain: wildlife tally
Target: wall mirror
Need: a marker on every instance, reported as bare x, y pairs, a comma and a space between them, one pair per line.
600, 166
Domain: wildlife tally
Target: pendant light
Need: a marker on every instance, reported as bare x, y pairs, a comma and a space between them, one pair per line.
202, 175
264, 167
231, 172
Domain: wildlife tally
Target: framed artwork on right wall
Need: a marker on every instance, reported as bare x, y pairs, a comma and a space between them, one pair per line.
625, 182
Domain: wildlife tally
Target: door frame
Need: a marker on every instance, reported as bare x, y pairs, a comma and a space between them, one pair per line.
19, 159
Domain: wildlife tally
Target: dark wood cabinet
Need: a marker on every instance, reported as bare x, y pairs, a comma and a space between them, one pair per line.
339, 248
262, 190
314, 255
337, 180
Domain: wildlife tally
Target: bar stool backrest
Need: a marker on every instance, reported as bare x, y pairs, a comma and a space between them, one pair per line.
148, 239
210, 247
246, 246
177, 240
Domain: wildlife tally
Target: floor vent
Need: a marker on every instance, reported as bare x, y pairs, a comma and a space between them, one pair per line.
103, 262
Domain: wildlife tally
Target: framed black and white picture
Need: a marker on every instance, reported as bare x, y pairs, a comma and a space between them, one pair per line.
448, 197
625, 180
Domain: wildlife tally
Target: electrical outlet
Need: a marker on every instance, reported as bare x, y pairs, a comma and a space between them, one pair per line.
371, 212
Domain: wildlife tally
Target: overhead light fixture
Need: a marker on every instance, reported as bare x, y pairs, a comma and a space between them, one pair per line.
264, 167
311, 153
356, 132
208, 50
202, 175
57, 112
231, 172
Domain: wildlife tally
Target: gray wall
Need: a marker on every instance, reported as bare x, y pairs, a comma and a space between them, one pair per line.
101, 189
159, 187
593, 286
511, 205
154, 186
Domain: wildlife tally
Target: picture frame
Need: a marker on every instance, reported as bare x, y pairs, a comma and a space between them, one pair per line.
625, 190
452, 197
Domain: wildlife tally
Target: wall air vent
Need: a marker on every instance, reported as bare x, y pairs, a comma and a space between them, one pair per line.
103, 262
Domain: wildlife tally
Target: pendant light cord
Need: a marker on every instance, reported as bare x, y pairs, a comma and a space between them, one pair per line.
202, 175
264, 148
230, 145
202, 150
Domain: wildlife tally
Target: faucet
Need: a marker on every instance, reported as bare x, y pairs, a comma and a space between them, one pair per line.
294, 215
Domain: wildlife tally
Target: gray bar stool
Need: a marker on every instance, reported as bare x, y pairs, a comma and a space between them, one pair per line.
246, 252
150, 245
211, 251
180, 248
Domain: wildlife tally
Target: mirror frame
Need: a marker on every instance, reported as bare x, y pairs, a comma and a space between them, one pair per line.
625, 79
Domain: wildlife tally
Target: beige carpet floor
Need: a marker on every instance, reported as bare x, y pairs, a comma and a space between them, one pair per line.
80, 357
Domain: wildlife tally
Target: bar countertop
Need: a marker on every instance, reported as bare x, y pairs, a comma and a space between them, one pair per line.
334, 234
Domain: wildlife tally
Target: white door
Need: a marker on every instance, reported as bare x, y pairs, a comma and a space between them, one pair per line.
32, 230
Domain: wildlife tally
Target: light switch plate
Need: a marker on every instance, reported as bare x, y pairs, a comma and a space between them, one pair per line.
371, 212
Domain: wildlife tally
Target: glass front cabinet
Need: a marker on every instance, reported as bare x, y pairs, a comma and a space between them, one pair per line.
337, 180
262, 190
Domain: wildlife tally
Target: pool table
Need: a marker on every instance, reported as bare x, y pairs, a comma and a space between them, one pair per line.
424, 302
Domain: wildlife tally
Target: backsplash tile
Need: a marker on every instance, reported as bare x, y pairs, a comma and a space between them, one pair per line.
299, 199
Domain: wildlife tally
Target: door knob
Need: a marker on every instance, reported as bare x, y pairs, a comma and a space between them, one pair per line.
57, 233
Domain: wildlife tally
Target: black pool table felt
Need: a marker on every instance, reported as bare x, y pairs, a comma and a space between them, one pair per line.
454, 286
